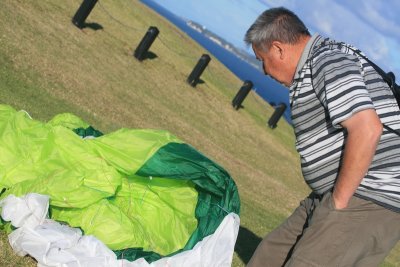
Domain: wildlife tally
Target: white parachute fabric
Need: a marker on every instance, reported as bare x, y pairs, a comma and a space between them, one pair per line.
28, 211
54, 244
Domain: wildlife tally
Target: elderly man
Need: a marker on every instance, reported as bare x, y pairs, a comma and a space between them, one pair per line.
345, 119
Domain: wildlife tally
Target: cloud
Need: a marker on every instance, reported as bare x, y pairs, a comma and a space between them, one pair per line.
371, 25
380, 15
278, 3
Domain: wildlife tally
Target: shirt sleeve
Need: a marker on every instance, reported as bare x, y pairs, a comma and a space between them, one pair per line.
339, 85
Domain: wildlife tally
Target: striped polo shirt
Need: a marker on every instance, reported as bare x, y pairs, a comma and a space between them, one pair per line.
332, 82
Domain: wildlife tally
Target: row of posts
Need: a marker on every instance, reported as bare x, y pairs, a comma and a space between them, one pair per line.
142, 49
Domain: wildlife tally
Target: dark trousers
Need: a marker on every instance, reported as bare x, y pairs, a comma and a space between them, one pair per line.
317, 235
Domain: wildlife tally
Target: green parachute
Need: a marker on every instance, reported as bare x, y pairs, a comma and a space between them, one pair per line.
143, 193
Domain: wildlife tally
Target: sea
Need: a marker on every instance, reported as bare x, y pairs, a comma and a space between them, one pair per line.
268, 89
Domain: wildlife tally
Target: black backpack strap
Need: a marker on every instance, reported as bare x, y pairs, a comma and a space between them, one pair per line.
388, 77
391, 129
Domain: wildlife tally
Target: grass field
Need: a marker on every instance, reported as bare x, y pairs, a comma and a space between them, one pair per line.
49, 66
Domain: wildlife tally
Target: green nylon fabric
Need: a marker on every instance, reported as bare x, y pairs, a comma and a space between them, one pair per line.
69, 121
218, 193
52, 160
76, 124
155, 215
144, 193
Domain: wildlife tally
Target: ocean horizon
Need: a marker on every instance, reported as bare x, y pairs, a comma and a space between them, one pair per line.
267, 88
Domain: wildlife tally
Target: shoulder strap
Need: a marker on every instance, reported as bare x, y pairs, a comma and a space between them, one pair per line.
388, 77
391, 129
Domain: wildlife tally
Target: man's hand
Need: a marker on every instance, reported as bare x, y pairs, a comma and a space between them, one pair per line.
364, 130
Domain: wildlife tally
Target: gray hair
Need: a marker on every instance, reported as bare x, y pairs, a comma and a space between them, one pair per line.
275, 24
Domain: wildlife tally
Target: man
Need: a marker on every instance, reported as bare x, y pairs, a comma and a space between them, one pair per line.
341, 109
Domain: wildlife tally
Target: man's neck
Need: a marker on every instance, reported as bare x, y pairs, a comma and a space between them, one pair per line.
297, 51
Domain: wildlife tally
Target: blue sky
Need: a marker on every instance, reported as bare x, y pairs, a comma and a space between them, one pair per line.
371, 25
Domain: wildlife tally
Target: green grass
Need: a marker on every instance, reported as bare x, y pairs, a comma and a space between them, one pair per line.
48, 66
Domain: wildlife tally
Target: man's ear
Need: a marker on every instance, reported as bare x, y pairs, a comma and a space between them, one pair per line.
279, 49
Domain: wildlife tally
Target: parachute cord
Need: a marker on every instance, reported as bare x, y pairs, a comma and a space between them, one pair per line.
95, 216
222, 208
122, 257
26, 112
130, 199
227, 212
115, 19
145, 192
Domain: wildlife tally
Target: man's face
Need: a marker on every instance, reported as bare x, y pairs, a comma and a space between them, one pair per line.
274, 61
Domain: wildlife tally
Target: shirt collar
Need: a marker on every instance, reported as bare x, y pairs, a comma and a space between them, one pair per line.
306, 53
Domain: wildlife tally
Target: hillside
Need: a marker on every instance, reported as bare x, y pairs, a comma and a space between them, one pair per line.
49, 66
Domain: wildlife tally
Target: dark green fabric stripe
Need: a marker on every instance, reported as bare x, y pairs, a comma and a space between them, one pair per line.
218, 194
89, 131
132, 254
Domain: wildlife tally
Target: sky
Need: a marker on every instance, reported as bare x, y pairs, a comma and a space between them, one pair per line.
373, 26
